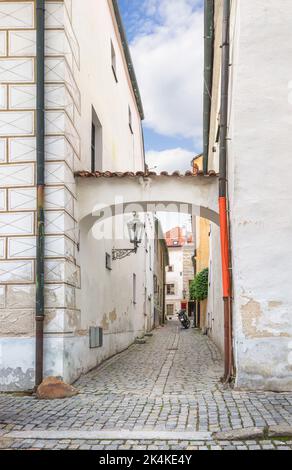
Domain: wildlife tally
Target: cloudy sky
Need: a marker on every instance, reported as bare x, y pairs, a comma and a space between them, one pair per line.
166, 41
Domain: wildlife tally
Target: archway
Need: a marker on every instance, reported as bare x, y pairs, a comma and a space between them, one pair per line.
100, 195
103, 197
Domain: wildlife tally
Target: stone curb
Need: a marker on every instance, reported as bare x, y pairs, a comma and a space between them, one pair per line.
240, 434
123, 435
253, 433
280, 431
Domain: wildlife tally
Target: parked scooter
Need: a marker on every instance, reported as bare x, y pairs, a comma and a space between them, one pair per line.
184, 319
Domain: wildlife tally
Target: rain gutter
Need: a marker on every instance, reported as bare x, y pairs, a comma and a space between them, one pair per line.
40, 139
208, 76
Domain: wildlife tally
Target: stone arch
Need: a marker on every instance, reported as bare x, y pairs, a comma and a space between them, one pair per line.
102, 213
102, 197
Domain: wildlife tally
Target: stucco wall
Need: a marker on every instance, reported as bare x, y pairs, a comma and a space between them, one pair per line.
215, 314
202, 243
175, 277
188, 267
78, 76
96, 28
18, 192
213, 161
260, 168
107, 298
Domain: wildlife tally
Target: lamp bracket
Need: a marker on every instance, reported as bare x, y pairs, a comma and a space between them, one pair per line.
122, 253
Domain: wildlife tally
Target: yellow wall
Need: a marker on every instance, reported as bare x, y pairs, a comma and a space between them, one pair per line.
202, 248
202, 234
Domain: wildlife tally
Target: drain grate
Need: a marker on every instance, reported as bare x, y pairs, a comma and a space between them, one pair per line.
172, 349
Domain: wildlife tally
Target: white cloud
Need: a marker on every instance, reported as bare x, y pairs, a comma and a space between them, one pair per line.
170, 220
168, 59
169, 160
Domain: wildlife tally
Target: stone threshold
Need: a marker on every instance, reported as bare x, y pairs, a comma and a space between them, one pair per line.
122, 435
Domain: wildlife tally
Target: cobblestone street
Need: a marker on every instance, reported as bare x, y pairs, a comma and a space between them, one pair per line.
165, 394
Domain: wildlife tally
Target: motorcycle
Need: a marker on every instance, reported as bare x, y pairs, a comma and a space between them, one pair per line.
184, 319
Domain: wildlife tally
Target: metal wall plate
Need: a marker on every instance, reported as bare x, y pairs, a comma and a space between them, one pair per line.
95, 337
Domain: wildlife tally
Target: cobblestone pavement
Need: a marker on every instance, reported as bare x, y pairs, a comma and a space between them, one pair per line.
172, 445
171, 383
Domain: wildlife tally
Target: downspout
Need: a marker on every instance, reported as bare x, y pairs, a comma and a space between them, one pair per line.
208, 76
223, 210
40, 139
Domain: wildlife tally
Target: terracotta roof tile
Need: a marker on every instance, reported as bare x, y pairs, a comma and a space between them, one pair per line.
109, 174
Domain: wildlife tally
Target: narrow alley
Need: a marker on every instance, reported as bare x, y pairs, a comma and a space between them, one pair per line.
163, 394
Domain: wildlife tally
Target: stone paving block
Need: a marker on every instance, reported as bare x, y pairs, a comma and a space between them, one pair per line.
178, 395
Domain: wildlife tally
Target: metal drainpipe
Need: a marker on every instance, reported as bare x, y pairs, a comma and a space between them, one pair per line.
208, 76
223, 210
40, 311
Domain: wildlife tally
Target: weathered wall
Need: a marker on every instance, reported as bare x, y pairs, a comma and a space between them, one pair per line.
188, 267
160, 262
107, 297
96, 28
215, 314
260, 168
149, 269
202, 243
17, 186
175, 277
216, 95
78, 76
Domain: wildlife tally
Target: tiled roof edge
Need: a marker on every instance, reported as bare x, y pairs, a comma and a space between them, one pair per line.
109, 174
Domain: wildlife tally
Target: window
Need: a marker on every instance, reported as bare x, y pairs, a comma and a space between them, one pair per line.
130, 120
108, 261
96, 143
114, 62
134, 289
93, 150
155, 284
170, 269
170, 310
150, 257
170, 289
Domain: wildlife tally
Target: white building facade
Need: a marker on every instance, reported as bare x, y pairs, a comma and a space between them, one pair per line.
259, 188
174, 281
180, 271
93, 122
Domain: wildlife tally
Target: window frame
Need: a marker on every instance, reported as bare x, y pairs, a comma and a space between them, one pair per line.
93, 147
171, 306
170, 291
108, 262
134, 289
114, 62
130, 120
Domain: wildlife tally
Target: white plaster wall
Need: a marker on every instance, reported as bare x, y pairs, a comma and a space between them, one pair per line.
213, 161
106, 297
149, 271
215, 313
260, 168
162, 193
78, 75
175, 277
188, 267
95, 29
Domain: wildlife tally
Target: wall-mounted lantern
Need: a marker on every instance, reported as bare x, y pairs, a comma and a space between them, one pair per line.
135, 229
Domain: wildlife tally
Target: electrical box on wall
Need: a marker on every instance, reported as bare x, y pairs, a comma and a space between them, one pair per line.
95, 337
